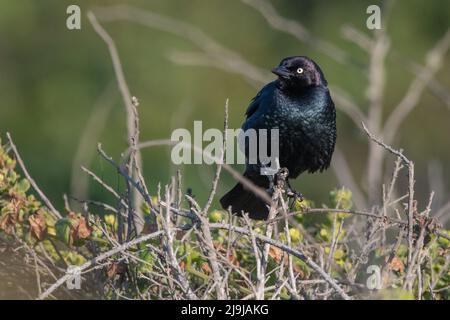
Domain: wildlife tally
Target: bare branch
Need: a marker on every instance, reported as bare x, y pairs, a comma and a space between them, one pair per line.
347, 105
219, 165
44, 198
86, 150
345, 177
235, 174
98, 259
351, 34
213, 49
289, 250
297, 30
433, 61
411, 182
132, 120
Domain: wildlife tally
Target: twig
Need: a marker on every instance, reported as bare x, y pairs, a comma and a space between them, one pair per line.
172, 259
221, 55
411, 181
289, 250
47, 202
298, 31
375, 94
247, 183
290, 266
343, 173
433, 61
260, 279
132, 119
85, 150
101, 182
219, 165
98, 259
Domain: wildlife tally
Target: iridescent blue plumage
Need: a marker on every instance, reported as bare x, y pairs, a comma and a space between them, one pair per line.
299, 105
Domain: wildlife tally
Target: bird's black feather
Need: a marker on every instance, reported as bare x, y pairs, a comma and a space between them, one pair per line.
299, 105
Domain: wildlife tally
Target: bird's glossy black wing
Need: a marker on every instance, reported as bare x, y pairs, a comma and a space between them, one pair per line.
254, 104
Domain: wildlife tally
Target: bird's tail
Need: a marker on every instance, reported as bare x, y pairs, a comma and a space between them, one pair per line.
241, 199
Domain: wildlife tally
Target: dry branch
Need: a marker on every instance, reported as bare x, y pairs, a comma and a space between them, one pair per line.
132, 120
33, 183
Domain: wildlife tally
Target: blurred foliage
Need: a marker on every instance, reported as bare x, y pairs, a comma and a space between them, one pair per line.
50, 79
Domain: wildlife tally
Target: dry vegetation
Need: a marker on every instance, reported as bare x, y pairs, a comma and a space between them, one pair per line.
172, 246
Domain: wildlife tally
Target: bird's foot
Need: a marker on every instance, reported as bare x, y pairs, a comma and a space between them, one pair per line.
293, 195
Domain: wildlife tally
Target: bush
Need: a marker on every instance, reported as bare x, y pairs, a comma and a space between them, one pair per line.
185, 252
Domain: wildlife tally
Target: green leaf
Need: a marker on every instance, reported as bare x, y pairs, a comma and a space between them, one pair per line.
63, 227
23, 186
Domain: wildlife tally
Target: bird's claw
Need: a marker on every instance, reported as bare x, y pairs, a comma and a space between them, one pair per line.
293, 195
281, 180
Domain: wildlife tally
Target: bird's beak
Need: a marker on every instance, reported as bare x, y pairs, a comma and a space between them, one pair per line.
281, 72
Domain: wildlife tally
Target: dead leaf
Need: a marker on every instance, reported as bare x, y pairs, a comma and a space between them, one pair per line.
10, 217
206, 268
38, 226
397, 265
114, 268
217, 245
275, 253
233, 259
80, 229
83, 230
6, 224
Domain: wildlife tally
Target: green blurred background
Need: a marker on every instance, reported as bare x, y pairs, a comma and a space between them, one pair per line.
52, 78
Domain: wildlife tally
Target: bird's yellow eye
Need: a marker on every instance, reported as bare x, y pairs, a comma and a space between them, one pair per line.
299, 70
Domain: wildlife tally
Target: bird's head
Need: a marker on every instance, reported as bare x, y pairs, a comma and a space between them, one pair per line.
299, 72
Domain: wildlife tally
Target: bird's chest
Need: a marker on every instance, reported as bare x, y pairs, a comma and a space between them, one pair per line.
306, 132
296, 119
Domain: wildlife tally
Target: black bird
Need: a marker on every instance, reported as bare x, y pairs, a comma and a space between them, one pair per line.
299, 105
